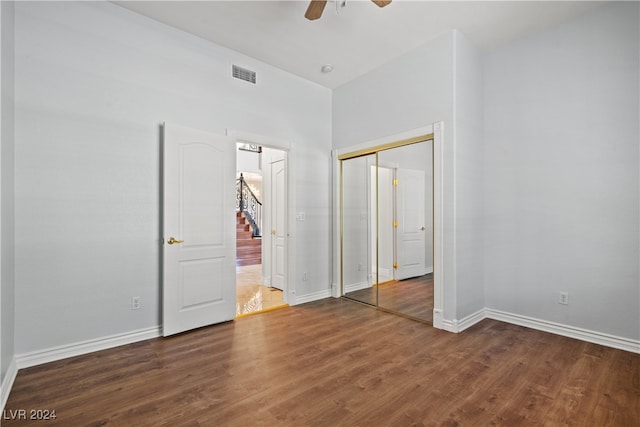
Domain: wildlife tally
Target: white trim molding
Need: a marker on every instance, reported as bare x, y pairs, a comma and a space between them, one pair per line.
595, 337
289, 291
470, 320
335, 290
265, 141
438, 231
457, 326
447, 325
314, 296
356, 287
438, 319
7, 382
566, 330
39, 357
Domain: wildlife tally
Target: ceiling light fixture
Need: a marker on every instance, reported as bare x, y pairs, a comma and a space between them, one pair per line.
326, 68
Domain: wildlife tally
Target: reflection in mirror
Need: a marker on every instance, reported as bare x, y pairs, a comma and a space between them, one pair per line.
406, 240
358, 221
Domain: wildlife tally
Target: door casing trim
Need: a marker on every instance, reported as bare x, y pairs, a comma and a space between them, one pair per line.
289, 291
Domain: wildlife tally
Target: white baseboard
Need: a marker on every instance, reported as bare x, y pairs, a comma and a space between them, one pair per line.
39, 357
356, 287
607, 340
315, 296
470, 320
456, 326
565, 330
438, 321
449, 325
7, 382
335, 290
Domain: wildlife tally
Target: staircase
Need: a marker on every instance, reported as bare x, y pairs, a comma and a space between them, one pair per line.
248, 247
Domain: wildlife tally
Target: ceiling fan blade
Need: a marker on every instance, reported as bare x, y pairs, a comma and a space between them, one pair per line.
381, 3
314, 11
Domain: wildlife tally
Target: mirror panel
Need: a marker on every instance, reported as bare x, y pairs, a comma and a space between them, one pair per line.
358, 241
386, 204
405, 194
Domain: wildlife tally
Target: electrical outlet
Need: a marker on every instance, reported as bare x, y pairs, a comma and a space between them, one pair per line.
135, 303
564, 298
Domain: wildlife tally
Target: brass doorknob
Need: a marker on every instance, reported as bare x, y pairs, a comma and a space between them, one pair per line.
422, 228
273, 232
173, 240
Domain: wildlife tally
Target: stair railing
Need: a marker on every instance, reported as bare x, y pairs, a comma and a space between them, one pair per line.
248, 203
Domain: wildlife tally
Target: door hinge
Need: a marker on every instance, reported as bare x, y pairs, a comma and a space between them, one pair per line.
395, 181
395, 224
395, 265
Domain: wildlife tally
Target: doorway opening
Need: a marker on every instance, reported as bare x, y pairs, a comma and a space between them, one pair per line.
261, 229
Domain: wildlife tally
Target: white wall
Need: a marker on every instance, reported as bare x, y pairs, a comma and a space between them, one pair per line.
7, 279
440, 81
561, 173
247, 161
93, 83
469, 148
412, 91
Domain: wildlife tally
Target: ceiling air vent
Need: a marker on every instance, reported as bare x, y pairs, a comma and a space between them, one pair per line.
244, 74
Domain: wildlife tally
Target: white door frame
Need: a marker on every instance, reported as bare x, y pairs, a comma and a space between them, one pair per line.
289, 291
438, 210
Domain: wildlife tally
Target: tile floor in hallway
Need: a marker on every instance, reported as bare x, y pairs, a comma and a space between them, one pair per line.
251, 294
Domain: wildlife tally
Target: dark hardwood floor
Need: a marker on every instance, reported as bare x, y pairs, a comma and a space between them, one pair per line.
412, 297
338, 363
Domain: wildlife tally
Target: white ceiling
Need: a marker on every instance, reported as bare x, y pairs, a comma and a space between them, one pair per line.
356, 38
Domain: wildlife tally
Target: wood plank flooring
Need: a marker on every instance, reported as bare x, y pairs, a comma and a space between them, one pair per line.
338, 363
412, 297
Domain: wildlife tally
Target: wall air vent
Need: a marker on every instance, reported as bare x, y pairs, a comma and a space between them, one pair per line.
244, 74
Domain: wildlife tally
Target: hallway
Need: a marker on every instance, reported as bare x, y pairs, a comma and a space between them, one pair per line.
251, 295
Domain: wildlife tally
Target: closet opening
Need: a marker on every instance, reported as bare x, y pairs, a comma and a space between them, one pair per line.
387, 227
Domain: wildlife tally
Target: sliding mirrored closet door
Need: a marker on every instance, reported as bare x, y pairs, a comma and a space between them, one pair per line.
358, 225
406, 196
387, 228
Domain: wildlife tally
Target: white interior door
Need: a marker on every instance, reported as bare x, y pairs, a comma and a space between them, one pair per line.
410, 211
279, 224
198, 224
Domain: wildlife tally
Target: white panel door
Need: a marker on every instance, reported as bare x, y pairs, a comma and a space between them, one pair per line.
410, 236
198, 224
279, 224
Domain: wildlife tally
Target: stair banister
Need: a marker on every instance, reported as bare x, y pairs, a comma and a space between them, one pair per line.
248, 203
